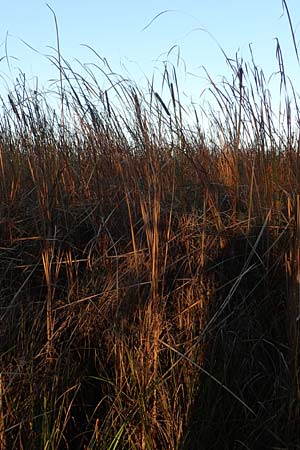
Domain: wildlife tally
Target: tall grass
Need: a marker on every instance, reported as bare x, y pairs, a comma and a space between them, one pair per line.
149, 269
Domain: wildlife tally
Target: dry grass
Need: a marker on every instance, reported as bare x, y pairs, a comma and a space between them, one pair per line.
149, 273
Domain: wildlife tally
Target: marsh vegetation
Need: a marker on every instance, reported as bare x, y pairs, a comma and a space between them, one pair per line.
149, 268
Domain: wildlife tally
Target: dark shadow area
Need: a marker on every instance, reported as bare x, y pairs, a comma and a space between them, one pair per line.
248, 353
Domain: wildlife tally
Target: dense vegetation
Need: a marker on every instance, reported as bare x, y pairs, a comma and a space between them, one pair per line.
149, 270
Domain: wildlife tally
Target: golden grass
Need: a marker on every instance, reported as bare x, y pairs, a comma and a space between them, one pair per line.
149, 272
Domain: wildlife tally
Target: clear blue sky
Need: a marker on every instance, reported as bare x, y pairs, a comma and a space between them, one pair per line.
114, 29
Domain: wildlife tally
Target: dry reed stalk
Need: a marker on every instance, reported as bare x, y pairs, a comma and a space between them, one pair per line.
293, 311
237, 144
3, 445
49, 313
52, 268
151, 217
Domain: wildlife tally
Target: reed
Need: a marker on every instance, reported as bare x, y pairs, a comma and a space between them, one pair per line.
149, 269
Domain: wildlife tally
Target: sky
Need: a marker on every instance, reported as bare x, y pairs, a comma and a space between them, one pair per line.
136, 37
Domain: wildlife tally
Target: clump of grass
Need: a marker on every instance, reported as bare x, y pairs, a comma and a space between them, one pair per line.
149, 270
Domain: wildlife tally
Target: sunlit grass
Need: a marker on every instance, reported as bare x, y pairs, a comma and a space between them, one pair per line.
149, 268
